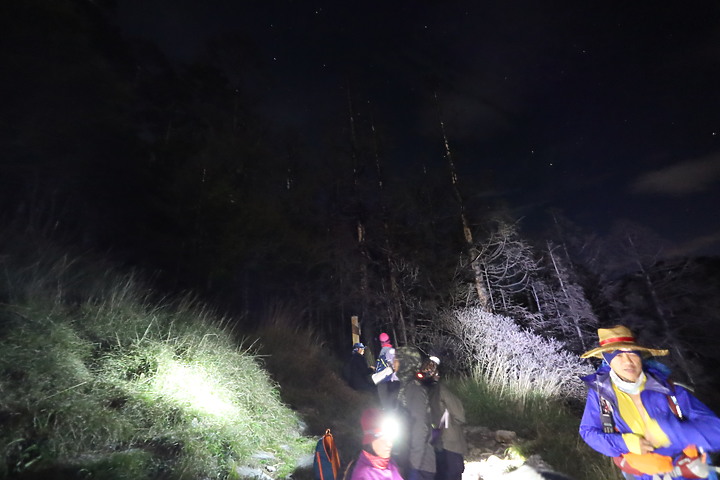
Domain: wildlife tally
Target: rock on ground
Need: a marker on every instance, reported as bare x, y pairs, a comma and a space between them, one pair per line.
490, 457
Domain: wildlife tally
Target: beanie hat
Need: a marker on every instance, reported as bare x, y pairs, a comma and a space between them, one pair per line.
384, 337
370, 422
358, 345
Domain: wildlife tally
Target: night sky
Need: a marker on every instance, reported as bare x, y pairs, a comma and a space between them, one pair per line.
606, 110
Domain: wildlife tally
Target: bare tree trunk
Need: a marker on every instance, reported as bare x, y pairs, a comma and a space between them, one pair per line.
360, 225
472, 252
392, 271
537, 300
569, 302
490, 297
560, 236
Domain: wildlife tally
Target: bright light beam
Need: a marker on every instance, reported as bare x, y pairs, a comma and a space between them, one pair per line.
194, 387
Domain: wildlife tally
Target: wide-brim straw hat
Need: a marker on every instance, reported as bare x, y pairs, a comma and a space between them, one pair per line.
616, 338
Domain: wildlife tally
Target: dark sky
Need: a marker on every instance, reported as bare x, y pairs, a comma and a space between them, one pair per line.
606, 110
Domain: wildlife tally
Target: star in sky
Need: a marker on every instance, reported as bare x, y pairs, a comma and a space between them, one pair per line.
599, 109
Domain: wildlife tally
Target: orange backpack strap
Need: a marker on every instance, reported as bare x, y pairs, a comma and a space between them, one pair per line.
332, 452
326, 464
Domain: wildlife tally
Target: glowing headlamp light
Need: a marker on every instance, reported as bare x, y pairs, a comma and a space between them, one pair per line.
389, 428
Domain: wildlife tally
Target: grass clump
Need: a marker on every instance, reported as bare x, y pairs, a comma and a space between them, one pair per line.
97, 379
547, 427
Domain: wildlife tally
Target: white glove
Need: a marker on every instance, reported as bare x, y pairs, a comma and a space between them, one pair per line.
379, 376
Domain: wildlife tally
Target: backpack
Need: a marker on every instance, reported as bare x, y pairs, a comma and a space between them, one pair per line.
326, 463
381, 364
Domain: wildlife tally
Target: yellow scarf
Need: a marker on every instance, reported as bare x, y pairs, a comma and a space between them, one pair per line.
631, 409
633, 412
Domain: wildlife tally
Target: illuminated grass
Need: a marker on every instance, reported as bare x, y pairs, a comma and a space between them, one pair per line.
97, 377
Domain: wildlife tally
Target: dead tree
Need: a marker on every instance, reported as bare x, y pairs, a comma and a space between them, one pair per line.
396, 295
359, 220
471, 250
569, 312
507, 263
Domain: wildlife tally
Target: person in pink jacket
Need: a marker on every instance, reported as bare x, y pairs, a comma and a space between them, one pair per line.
374, 461
385, 376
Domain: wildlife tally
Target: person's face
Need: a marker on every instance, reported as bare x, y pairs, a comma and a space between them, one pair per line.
627, 365
382, 446
430, 371
361, 351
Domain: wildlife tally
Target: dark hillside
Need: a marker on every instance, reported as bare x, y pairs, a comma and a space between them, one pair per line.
308, 375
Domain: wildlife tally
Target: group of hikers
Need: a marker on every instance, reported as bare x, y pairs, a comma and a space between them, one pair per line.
652, 428
413, 404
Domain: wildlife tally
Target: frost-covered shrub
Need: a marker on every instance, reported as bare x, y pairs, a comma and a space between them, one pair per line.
514, 360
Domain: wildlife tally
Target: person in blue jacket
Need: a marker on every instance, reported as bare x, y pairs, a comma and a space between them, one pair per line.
652, 428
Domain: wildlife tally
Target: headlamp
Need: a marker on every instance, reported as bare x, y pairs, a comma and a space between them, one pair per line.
389, 428
428, 372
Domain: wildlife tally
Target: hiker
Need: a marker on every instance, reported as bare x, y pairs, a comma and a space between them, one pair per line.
416, 456
357, 371
652, 428
448, 418
374, 461
387, 381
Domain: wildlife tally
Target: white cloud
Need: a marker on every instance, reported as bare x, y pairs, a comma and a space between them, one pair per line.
692, 176
705, 244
